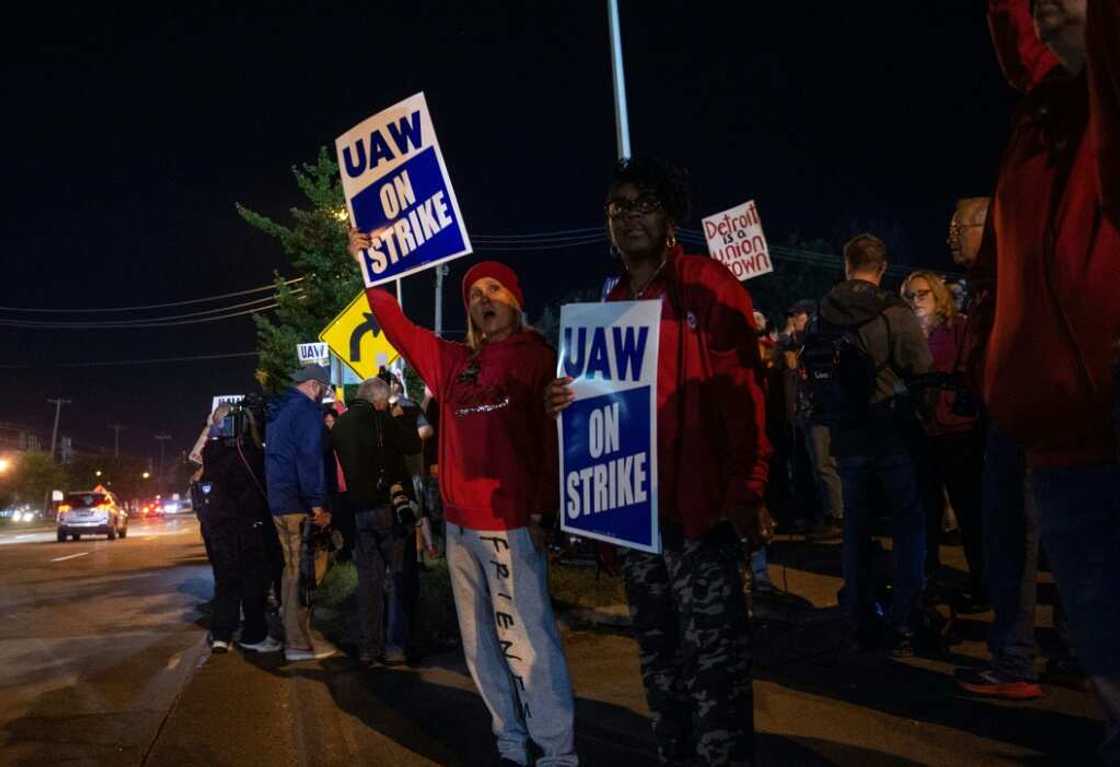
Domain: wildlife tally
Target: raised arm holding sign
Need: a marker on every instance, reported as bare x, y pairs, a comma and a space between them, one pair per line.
398, 192
497, 459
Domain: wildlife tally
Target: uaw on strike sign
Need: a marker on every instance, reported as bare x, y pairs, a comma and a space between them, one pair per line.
397, 189
735, 237
608, 435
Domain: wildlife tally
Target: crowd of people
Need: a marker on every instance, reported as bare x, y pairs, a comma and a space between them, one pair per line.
995, 413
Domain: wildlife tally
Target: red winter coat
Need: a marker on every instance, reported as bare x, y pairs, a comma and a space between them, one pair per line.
1053, 245
498, 459
712, 449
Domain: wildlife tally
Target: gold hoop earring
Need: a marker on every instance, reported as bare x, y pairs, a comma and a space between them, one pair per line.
671, 241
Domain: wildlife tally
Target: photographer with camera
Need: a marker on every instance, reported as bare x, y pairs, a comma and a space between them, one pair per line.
297, 495
236, 511
371, 445
955, 448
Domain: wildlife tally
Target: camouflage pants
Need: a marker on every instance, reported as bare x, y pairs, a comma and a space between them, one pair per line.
690, 620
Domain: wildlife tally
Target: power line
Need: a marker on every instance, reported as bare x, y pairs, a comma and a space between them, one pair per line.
531, 235
153, 323
98, 310
150, 361
257, 304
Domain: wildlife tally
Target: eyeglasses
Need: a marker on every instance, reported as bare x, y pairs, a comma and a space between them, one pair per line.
921, 294
955, 229
639, 206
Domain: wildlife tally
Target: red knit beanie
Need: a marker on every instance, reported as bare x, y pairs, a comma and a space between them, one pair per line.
495, 270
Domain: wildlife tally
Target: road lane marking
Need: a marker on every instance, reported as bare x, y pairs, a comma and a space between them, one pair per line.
71, 556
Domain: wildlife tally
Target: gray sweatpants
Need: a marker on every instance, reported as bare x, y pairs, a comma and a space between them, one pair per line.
510, 640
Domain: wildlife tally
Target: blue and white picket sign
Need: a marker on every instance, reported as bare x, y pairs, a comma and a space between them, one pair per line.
397, 189
608, 435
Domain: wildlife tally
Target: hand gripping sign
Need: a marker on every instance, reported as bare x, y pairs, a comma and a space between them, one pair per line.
397, 189
608, 435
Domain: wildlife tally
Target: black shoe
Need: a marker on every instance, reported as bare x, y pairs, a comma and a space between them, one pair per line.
371, 662
970, 603
902, 645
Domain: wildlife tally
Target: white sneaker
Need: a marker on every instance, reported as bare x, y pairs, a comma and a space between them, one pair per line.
268, 644
219, 646
294, 655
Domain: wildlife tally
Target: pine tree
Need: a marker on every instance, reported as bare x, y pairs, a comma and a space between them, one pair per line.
315, 242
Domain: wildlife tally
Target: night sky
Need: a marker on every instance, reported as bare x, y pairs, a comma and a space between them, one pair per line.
130, 136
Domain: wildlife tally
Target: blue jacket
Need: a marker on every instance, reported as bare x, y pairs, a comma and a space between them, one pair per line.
294, 455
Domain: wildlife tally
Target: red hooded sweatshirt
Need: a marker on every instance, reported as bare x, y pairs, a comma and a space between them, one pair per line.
711, 431
498, 458
1053, 249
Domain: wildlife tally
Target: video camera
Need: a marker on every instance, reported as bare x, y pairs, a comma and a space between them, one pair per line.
236, 423
404, 511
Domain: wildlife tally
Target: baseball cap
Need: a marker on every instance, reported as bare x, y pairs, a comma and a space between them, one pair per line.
312, 373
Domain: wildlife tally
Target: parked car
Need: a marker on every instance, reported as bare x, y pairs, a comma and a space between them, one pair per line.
91, 512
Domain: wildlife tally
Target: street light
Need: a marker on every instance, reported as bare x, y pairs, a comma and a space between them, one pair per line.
97, 473
146, 475
5, 464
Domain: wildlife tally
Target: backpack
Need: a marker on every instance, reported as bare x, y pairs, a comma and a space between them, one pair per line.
837, 374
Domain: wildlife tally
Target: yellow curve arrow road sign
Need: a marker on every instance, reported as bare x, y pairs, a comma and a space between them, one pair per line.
355, 338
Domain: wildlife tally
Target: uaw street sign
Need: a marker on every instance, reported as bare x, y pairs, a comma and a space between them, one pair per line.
355, 338
398, 190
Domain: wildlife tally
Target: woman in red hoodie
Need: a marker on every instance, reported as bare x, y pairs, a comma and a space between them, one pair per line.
498, 475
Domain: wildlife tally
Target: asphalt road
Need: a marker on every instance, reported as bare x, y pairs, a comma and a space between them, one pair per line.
97, 639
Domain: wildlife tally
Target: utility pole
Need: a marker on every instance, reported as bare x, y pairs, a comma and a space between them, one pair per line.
621, 117
58, 403
441, 271
116, 427
162, 442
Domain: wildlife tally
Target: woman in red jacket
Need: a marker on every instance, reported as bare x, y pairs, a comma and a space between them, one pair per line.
955, 443
498, 475
686, 603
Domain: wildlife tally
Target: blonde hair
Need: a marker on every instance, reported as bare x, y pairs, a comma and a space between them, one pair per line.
476, 338
943, 305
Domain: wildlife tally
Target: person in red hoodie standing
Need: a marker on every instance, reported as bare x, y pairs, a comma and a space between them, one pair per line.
687, 603
1049, 311
499, 471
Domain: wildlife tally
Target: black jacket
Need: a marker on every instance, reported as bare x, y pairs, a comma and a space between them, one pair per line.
888, 332
371, 445
236, 483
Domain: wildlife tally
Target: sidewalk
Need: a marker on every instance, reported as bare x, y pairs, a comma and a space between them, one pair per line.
813, 704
